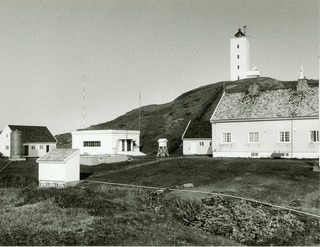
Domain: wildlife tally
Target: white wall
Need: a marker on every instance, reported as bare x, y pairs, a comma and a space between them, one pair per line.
52, 172
39, 149
299, 147
192, 146
110, 141
5, 141
243, 61
80, 136
73, 168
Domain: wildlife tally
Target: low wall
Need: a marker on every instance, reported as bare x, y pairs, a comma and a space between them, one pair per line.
92, 160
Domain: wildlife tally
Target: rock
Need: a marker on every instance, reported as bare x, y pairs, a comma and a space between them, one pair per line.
188, 185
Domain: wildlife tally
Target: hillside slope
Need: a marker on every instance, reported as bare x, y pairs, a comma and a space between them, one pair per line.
170, 120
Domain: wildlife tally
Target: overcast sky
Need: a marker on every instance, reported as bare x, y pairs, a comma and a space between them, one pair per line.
162, 48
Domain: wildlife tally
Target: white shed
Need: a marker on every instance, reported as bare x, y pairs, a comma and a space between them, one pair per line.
59, 168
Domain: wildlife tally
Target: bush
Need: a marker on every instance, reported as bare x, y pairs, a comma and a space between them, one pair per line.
253, 224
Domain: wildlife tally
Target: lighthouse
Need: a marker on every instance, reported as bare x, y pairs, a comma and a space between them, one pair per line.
239, 57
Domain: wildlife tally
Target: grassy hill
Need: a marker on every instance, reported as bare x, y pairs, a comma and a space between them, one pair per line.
170, 120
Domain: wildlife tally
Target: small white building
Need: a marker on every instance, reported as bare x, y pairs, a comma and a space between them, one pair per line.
59, 168
283, 122
197, 138
36, 140
239, 58
111, 142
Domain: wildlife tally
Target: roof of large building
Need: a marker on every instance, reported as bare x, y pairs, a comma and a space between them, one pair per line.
198, 129
34, 133
281, 103
58, 155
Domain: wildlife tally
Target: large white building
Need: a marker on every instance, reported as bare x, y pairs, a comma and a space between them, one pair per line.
283, 122
35, 141
111, 142
239, 58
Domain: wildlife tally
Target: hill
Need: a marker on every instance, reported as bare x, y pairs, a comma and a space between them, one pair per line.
170, 120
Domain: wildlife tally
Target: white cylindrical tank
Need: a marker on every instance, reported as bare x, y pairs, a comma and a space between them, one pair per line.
16, 144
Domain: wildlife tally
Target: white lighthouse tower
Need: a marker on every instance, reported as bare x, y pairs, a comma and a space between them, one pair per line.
239, 57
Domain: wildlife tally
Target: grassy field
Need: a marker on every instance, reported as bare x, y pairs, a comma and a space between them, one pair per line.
94, 214
290, 183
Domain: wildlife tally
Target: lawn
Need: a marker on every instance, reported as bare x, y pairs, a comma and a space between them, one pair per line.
95, 214
290, 183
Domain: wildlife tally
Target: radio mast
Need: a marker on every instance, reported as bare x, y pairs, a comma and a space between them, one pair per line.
84, 101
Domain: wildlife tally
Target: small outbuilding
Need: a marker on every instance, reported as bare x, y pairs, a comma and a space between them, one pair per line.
59, 168
197, 138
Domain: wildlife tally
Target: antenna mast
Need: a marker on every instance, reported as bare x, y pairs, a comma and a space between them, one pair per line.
84, 101
139, 111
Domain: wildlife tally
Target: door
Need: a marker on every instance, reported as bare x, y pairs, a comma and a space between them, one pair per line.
129, 145
193, 149
26, 150
47, 148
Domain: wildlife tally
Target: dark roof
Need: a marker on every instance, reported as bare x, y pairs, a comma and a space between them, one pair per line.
58, 155
239, 33
34, 133
281, 103
198, 129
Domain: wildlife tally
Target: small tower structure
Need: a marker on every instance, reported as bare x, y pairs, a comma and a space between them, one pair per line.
162, 149
239, 57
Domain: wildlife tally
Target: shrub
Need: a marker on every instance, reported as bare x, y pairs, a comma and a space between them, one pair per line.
252, 224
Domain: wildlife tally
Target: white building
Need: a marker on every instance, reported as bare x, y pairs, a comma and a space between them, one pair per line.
239, 58
36, 140
59, 168
280, 122
197, 138
100, 142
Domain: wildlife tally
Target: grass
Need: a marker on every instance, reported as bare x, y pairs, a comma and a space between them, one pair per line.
117, 217
290, 183
94, 214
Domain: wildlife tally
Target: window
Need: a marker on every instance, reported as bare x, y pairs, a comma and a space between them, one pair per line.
238, 46
210, 144
238, 56
284, 136
41, 146
226, 137
7, 135
201, 144
254, 137
33, 147
238, 67
238, 77
7, 147
91, 143
314, 136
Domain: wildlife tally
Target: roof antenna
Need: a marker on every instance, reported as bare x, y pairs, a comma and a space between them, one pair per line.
84, 101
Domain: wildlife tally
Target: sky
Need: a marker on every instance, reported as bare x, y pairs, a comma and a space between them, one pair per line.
118, 48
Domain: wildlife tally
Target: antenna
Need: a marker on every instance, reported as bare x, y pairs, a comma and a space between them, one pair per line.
245, 29
139, 121
139, 110
84, 101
